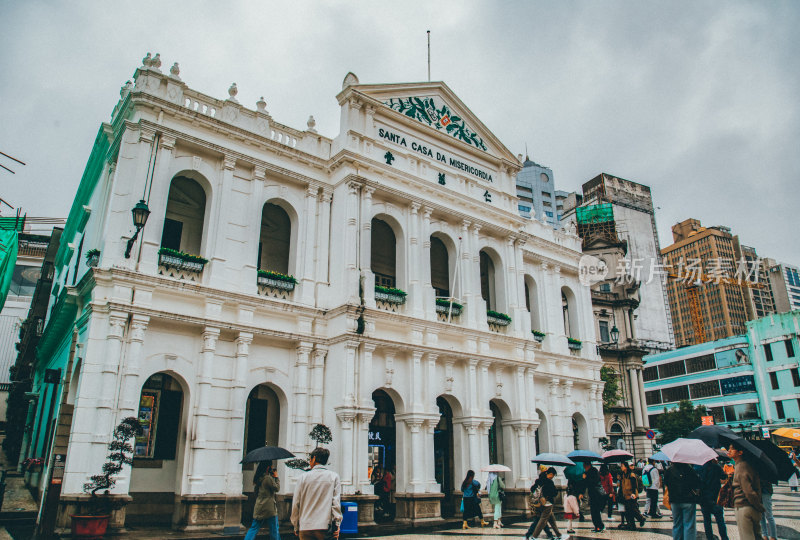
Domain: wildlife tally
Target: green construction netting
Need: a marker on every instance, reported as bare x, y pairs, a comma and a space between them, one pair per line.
12, 223
8, 260
595, 213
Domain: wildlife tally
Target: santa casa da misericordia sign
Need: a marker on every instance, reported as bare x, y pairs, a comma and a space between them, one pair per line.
431, 111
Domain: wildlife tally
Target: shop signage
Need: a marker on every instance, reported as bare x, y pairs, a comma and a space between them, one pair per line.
707, 420
433, 153
765, 432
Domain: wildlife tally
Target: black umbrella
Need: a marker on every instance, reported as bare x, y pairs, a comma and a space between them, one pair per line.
267, 453
721, 436
781, 460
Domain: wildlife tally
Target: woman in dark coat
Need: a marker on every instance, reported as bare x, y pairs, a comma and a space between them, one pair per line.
265, 511
543, 514
470, 489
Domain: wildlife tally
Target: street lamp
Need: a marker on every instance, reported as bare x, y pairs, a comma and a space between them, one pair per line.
140, 214
615, 334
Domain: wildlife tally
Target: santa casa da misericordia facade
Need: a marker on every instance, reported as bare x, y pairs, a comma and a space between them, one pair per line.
203, 337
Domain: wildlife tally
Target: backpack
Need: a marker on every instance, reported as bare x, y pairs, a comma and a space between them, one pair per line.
535, 498
646, 480
639, 487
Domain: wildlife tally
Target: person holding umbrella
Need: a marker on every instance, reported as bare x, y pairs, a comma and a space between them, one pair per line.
265, 512
597, 495
746, 495
683, 486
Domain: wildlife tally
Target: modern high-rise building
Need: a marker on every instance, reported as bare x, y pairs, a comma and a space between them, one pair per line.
536, 193
635, 224
707, 251
759, 301
784, 281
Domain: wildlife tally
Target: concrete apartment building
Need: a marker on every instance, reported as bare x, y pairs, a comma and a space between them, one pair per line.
710, 251
537, 194
759, 301
784, 283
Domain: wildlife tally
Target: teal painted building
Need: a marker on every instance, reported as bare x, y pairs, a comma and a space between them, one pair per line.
743, 381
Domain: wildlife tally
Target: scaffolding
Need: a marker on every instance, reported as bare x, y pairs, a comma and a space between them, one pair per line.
596, 222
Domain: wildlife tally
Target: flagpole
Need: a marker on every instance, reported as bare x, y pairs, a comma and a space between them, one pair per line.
429, 56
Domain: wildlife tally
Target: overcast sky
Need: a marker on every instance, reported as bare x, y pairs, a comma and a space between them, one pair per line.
699, 100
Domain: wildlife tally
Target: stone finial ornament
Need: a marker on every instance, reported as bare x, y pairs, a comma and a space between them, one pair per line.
125, 90
156, 62
175, 71
349, 80
311, 124
232, 91
261, 105
146, 61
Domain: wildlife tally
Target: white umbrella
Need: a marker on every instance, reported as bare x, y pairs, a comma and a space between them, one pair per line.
691, 451
495, 468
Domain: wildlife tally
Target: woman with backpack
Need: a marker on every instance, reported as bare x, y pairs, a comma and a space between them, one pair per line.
629, 483
543, 495
470, 489
682, 487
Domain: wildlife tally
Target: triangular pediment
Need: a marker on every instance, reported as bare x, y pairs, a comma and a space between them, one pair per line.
435, 106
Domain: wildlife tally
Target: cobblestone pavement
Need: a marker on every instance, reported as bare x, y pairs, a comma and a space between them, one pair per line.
786, 508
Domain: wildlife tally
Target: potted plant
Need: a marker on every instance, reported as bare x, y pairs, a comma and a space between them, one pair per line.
538, 336
33, 465
92, 257
443, 305
320, 434
390, 295
497, 318
180, 260
94, 521
574, 344
276, 280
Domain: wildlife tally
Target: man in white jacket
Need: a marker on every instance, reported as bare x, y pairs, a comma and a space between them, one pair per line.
654, 477
317, 499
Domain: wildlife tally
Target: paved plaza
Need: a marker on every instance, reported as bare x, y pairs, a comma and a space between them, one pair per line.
786, 507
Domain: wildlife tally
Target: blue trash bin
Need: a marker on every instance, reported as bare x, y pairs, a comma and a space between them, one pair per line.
349, 518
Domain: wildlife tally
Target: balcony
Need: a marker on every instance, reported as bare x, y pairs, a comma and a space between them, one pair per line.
180, 265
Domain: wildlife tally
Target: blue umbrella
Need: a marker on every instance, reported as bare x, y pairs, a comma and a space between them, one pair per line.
584, 455
548, 458
659, 456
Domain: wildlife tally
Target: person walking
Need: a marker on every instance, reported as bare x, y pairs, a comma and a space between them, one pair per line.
543, 511
746, 496
470, 491
571, 506
768, 527
651, 479
630, 494
597, 495
496, 493
683, 485
711, 478
316, 506
265, 511
607, 481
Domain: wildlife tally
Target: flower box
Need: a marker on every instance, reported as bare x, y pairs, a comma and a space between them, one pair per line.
538, 336
92, 258
390, 296
276, 280
444, 306
497, 318
183, 261
574, 344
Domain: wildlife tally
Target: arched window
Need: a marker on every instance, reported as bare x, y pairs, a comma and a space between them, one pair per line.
183, 222
275, 241
384, 254
532, 303
616, 437
440, 267
488, 288
570, 313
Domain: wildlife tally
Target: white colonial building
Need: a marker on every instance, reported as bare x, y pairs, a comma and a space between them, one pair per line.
200, 334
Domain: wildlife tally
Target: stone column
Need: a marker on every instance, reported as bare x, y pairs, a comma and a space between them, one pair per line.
317, 385
417, 484
522, 472
512, 300
475, 273
352, 239
531, 393
323, 246
131, 385
215, 246
472, 382
635, 396
429, 428
309, 247
365, 242
300, 440
414, 263
416, 379
350, 351
566, 412
429, 295
483, 393
346, 419
642, 398
362, 478
202, 410
474, 449
237, 405
117, 321
556, 426
150, 236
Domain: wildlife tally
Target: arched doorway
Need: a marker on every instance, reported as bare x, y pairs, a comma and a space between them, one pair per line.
383, 453
261, 428
580, 432
158, 453
443, 454
275, 240
496, 453
185, 216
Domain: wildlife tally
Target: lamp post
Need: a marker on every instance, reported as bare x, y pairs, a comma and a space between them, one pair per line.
140, 214
615, 334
